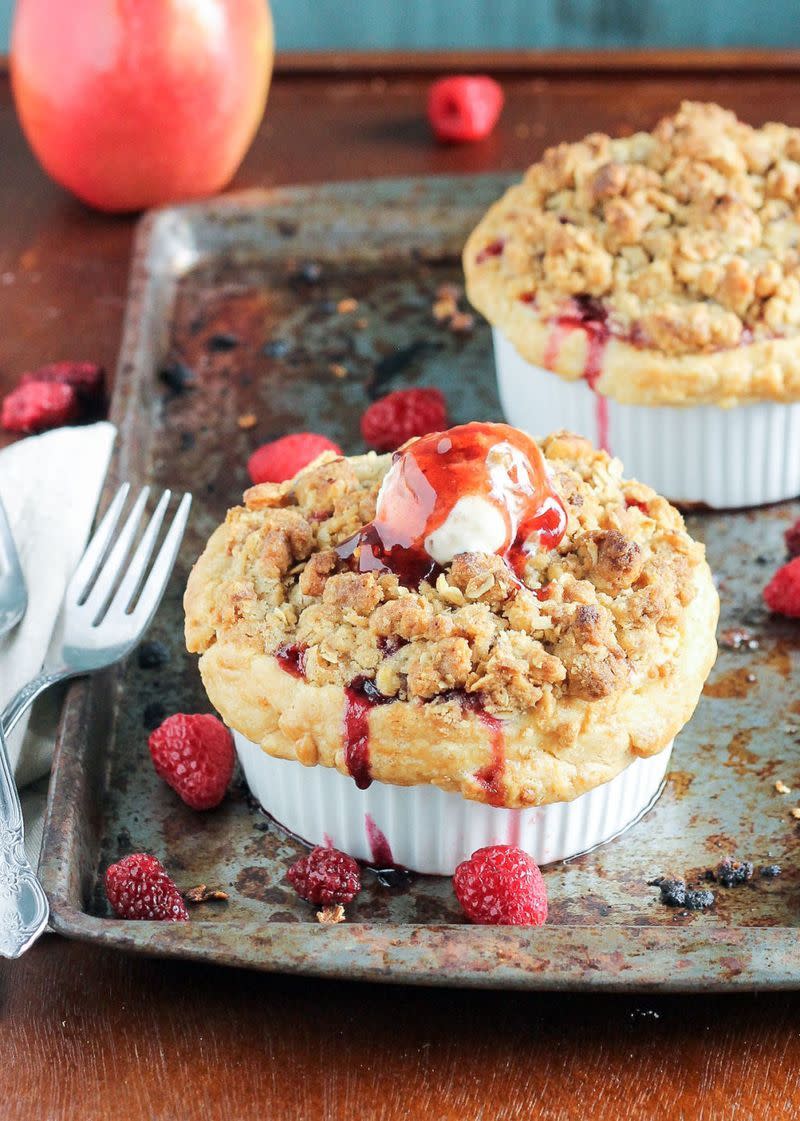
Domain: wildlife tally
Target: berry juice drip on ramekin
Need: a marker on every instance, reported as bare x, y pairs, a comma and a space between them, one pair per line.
590, 317
494, 464
378, 845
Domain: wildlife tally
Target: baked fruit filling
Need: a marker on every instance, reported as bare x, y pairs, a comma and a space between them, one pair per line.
579, 593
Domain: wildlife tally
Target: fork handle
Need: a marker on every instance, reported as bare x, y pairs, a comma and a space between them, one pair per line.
23, 903
18, 705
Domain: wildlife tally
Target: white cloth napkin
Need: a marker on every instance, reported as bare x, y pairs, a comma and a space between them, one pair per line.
50, 486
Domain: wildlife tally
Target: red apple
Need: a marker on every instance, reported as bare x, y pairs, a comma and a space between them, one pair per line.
132, 103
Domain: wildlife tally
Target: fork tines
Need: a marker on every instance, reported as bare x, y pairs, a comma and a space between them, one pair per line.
112, 579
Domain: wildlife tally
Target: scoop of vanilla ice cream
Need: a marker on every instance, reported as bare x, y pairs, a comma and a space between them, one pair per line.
473, 525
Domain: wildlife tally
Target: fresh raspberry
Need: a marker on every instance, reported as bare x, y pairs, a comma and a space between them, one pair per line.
501, 886
325, 876
35, 406
392, 420
464, 108
86, 378
282, 459
194, 755
782, 593
792, 539
138, 887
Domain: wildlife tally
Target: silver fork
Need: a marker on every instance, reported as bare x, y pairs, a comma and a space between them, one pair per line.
108, 605
13, 593
23, 906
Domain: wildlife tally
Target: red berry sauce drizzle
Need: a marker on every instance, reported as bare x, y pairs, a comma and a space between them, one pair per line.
587, 315
493, 249
425, 482
490, 777
378, 845
361, 696
292, 658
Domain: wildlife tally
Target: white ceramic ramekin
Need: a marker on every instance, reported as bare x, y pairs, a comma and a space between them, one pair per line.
744, 456
427, 830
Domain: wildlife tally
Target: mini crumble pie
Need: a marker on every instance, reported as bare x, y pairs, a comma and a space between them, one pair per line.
676, 252
595, 657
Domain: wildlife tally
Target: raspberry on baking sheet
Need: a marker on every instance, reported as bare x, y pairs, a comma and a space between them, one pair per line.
139, 887
325, 877
501, 886
194, 754
391, 420
782, 593
281, 459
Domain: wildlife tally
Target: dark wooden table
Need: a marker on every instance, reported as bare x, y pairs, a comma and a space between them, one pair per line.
88, 1034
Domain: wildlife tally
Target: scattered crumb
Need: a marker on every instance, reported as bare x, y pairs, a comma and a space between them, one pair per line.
247, 420
338, 370
462, 323
738, 638
782, 788
329, 916
795, 812
769, 871
751, 678
448, 292
444, 309
203, 894
344, 307
360, 324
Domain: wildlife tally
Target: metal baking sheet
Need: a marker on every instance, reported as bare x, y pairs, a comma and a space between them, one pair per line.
246, 294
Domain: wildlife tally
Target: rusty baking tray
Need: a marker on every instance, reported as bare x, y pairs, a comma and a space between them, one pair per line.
246, 293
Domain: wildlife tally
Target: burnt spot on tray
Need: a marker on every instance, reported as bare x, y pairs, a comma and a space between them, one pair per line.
177, 376
153, 714
258, 882
222, 341
397, 362
736, 685
151, 654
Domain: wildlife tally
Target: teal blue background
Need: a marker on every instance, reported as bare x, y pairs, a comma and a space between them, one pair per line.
337, 24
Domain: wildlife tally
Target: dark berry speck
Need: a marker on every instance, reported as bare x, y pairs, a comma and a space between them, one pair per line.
675, 893
276, 348
177, 376
769, 871
731, 873
222, 341
152, 654
310, 272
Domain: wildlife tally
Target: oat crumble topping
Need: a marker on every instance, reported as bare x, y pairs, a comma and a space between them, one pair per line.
687, 236
610, 600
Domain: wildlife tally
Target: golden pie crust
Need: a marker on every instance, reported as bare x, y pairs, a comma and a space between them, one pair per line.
686, 240
607, 668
